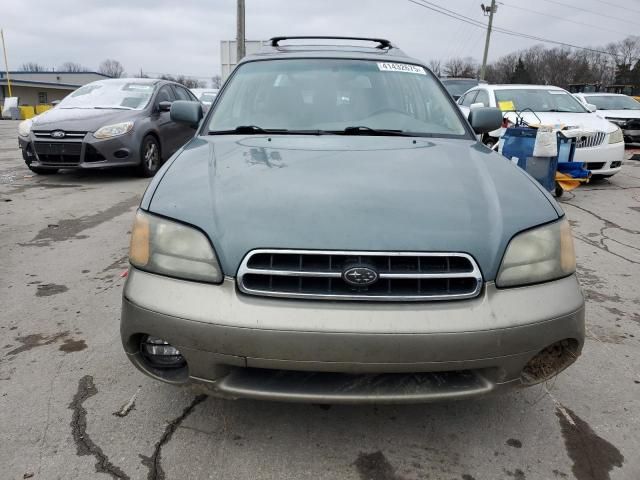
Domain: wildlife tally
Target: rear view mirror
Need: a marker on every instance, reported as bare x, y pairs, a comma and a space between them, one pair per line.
485, 119
164, 106
591, 107
186, 111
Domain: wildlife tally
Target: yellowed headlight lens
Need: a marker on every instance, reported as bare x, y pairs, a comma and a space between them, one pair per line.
139, 249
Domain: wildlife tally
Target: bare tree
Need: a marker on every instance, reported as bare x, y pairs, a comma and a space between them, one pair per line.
436, 67
183, 80
216, 81
461, 67
111, 68
32, 67
72, 67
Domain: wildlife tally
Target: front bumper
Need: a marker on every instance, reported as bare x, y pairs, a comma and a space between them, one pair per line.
238, 345
80, 153
605, 159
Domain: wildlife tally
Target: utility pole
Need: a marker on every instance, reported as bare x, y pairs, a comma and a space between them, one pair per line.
487, 10
240, 32
6, 65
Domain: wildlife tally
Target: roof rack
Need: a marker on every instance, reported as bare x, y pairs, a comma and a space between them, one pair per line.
382, 42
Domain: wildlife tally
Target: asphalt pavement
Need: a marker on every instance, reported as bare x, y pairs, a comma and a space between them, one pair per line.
73, 407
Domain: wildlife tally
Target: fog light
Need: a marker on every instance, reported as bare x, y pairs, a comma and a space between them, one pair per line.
550, 361
160, 353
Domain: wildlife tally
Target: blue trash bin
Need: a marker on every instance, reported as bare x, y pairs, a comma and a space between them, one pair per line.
518, 144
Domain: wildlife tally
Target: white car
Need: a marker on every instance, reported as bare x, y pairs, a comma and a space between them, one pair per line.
206, 96
620, 109
603, 153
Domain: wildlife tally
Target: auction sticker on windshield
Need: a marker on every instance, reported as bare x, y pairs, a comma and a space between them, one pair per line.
400, 67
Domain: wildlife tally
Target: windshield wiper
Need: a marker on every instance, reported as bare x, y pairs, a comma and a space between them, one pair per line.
363, 130
254, 129
112, 108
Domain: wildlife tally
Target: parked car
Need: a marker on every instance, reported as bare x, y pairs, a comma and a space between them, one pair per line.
457, 86
206, 96
602, 152
108, 123
336, 233
620, 109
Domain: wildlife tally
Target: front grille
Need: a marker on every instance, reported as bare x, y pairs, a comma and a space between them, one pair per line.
595, 165
401, 276
591, 141
58, 153
47, 133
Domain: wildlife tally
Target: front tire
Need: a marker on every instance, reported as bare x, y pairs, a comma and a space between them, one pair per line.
489, 141
150, 159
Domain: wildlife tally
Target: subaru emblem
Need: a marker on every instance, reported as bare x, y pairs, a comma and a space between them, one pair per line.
360, 276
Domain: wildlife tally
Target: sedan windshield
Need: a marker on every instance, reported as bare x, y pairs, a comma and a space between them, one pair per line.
110, 94
613, 102
355, 97
537, 100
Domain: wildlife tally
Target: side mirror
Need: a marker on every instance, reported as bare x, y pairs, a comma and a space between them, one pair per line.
485, 119
473, 106
591, 107
186, 111
164, 106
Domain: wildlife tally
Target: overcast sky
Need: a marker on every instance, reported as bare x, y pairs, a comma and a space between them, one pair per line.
183, 36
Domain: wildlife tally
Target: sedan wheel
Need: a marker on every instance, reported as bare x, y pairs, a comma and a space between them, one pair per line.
150, 159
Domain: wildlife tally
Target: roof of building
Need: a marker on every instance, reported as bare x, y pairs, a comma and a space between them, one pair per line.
23, 72
31, 83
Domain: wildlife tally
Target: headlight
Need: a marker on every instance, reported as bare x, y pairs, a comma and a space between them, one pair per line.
617, 121
24, 128
170, 248
114, 130
616, 136
539, 255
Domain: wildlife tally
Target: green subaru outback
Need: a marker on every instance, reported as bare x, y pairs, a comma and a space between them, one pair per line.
335, 233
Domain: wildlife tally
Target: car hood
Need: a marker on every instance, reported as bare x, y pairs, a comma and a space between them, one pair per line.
349, 193
587, 121
619, 113
80, 119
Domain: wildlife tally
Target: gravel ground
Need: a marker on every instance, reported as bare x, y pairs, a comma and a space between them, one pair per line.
71, 405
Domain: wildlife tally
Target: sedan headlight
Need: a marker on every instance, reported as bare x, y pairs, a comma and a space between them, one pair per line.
24, 128
539, 255
617, 121
114, 130
616, 136
170, 248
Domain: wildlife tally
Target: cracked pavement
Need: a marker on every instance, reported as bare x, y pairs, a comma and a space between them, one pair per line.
72, 406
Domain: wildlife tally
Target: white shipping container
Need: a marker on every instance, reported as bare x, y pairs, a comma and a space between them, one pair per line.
228, 51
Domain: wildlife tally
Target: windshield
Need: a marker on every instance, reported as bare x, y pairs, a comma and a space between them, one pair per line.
613, 102
538, 100
457, 87
110, 94
333, 95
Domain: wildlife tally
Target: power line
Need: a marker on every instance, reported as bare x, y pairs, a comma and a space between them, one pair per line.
504, 31
619, 6
600, 14
559, 18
